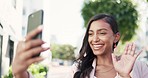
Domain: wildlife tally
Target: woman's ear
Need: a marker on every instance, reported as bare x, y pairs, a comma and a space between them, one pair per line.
117, 37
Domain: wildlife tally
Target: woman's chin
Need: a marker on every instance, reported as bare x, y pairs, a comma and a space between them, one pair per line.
98, 53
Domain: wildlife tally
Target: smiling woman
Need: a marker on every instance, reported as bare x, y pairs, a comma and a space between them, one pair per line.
96, 58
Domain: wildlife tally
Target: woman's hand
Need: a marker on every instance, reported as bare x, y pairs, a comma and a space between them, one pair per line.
25, 52
125, 64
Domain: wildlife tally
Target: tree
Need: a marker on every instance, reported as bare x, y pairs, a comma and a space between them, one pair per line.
123, 10
65, 51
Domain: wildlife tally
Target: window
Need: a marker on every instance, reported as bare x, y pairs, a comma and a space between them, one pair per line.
11, 50
1, 40
1, 37
13, 3
1, 25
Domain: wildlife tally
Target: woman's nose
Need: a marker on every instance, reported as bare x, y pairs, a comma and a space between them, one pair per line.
96, 38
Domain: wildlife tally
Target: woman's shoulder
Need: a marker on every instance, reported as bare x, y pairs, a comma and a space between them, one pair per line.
72, 70
139, 63
74, 67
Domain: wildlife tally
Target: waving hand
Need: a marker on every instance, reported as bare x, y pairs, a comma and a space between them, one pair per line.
125, 64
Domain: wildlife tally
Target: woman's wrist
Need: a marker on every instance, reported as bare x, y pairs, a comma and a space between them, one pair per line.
126, 77
22, 75
123, 76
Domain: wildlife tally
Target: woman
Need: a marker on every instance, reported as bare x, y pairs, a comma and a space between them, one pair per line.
96, 59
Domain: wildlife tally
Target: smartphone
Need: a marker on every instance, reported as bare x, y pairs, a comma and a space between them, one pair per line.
35, 19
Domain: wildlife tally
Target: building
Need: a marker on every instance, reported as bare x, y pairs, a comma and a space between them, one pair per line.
10, 31
13, 25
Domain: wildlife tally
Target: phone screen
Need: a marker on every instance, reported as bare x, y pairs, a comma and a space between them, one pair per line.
34, 20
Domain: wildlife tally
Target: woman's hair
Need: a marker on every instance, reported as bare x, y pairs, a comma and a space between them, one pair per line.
86, 55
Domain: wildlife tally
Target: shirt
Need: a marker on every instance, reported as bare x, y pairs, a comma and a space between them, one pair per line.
140, 70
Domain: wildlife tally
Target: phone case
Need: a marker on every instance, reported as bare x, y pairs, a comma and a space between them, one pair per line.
34, 20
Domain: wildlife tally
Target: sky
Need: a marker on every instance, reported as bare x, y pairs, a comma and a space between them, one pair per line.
66, 22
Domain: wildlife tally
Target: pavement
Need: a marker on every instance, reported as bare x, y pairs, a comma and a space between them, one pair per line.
58, 72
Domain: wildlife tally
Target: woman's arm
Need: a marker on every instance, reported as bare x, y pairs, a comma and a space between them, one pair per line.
25, 52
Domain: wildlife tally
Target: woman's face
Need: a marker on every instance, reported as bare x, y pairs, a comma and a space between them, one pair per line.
101, 37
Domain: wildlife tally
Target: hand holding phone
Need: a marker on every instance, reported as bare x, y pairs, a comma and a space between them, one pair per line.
35, 19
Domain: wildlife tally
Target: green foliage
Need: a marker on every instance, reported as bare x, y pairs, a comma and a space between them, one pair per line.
123, 10
65, 52
9, 75
37, 70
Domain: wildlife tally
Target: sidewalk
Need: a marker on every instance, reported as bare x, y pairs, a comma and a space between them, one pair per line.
58, 72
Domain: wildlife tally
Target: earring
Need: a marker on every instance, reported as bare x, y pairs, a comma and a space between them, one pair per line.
115, 45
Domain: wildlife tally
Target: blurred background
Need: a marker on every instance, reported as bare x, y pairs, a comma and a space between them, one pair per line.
64, 27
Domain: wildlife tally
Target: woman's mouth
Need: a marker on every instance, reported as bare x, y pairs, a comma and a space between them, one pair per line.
97, 46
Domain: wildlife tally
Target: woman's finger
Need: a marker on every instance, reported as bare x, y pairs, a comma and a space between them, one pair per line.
24, 46
34, 60
20, 46
33, 43
126, 49
129, 48
133, 49
34, 51
33, 33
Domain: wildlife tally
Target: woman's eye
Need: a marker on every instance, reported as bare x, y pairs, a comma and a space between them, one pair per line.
102, 33
90, 34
